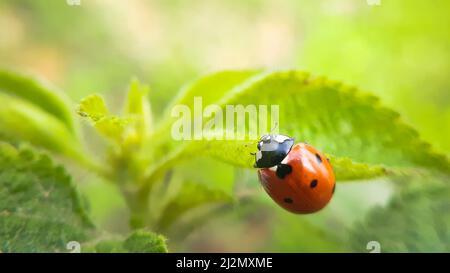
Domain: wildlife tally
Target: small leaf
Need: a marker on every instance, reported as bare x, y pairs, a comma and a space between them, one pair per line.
110, 126
108, 246
216, 177
40, 209
142, 241
93, 107
190, 195
139, 241
41, 95
138, 106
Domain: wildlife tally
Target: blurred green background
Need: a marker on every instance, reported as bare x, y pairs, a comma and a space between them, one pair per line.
398, 50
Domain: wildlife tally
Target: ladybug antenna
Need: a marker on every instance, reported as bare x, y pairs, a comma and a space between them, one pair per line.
274, 128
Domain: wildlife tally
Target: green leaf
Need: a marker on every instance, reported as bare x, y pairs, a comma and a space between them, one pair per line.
107, 246
190, 196
41, 115
417, 219
211, 87
93, 107
21, 120
365, 138
110, 126
139, 241
142, 241
198, 191
339, 120
40, 209
346, 170
38, 93
138, 105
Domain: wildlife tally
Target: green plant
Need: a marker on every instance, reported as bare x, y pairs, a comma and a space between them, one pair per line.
363, 139
41, 210
419, 213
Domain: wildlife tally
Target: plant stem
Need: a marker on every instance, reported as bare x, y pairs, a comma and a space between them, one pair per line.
138, 203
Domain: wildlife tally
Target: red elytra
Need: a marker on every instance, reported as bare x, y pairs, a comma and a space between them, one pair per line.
307, 186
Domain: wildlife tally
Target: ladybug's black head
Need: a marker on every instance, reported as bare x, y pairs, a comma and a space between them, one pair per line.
272, 149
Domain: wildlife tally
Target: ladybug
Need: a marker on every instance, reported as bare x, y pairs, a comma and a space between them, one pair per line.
297, 177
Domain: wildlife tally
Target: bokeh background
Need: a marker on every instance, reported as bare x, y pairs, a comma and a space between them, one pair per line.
398, 50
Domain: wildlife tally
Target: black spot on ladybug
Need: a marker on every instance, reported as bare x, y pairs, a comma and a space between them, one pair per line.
313, 183
288, 200
283, 170
319, 159
334, 188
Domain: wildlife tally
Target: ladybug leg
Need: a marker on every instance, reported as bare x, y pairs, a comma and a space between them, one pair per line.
283, 170
254, 164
